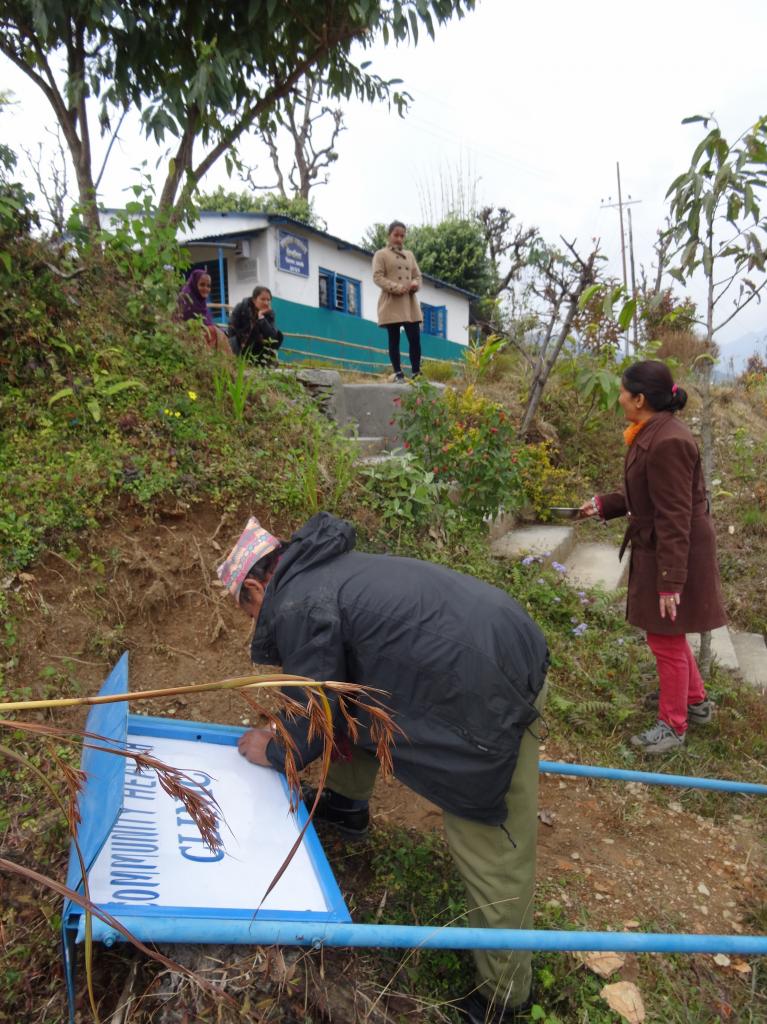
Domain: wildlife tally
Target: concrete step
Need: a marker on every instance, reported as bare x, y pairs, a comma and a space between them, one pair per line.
721, 646
553, 542
596, 565
372, 407
372, 445
379, 457
751, 652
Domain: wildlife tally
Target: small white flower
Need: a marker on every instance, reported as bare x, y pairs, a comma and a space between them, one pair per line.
731, 530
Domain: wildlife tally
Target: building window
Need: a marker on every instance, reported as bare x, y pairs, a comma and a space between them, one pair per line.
339, 292
434, 320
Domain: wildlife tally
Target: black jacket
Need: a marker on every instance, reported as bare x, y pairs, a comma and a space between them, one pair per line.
461, 662
256, 338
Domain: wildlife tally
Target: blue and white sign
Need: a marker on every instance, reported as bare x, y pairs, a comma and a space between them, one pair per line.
155, 856
292, 253
146, 862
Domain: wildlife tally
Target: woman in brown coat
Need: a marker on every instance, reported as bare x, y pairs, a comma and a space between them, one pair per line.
674, 577
396, 273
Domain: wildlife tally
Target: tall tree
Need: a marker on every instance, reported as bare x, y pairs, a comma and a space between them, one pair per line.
198, 73
560, 280
720, 231
300, 117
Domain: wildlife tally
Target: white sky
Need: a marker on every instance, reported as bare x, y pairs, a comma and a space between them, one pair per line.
534, 102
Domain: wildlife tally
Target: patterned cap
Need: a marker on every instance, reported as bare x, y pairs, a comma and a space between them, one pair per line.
254, 543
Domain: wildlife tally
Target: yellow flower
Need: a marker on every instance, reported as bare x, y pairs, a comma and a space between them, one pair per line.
192, 395
176, 413
167, 412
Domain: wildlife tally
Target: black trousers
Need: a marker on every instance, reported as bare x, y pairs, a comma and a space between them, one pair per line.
413, 332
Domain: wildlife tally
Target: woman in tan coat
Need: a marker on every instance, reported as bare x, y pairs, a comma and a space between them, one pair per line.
674, 577
396, 273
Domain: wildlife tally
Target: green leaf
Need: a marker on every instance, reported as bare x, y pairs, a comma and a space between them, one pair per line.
695, 119
64, 393
627, 314
587, 295
123, 385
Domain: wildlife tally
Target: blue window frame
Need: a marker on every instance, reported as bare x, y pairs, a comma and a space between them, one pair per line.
217, 270
340, 293
434, 320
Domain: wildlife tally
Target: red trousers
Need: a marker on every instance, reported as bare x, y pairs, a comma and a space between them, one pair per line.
680, 681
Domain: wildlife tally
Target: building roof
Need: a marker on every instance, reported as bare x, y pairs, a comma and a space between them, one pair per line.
234, 225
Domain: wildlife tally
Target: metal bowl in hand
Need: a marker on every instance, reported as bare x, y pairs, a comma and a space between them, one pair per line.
562, 512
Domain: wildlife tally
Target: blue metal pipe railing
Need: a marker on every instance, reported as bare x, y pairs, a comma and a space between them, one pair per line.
402, 936
650, 778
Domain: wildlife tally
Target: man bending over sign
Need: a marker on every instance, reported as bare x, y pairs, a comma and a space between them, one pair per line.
463, 668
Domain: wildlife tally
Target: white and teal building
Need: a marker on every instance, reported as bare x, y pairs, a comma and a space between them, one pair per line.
322, 287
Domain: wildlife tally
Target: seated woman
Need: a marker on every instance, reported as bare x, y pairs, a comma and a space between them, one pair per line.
192, 303
252, 331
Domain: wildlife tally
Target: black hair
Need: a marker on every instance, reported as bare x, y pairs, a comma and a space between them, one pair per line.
653, 379
395, 224
264, 567
258, 289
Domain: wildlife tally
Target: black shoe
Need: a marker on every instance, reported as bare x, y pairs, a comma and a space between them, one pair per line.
351, 817
475, 1009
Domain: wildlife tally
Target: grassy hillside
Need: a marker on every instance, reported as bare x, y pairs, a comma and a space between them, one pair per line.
129, 455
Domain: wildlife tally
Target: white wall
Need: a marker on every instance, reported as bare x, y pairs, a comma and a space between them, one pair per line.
260, 266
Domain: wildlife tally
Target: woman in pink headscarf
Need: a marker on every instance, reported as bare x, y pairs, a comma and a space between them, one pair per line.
192, 304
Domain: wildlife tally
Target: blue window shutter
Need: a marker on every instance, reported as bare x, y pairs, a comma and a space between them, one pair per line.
339, 292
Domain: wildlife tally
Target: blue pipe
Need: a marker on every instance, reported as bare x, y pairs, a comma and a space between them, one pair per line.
317, 934
651, 778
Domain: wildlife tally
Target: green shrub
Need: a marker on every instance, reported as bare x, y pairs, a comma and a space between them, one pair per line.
467, 440
439, 370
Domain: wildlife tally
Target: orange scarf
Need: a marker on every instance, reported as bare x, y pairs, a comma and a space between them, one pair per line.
631, 431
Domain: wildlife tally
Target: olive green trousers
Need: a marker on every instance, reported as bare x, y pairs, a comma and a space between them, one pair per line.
496, 864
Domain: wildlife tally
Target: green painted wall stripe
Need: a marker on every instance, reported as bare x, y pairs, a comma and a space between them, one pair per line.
312, 324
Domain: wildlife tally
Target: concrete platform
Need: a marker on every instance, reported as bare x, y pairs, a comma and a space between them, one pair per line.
372, 407
597, 565
554, 541
721, 646
383, 456
752, 658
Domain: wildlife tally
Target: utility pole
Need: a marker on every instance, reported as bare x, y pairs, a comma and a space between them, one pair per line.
635, 318
619, 207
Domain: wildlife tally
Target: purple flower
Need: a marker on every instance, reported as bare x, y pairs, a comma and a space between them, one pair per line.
582, 593
557, 600
580, 629
558, 567
528, 560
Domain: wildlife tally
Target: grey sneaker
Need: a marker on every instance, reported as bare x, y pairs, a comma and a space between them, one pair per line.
660, 739
397, 378
701, 713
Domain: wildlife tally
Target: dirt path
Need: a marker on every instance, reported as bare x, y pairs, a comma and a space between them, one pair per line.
629, 857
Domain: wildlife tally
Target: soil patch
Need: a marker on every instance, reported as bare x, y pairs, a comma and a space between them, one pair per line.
627, 856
